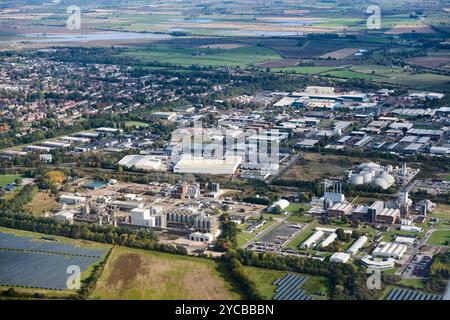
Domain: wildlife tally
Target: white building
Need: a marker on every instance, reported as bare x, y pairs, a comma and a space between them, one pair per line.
405, 240
202, 237
142, 217
411, 229
328, 240
372, 262
389, 250
141, 162
312, 240
200, 165
64, 216
71, 199
357, 245
282, 203
340, 257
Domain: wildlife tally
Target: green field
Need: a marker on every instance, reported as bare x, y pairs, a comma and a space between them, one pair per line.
242, 56
8, 178
264, 278
150, 275
136, 124
440, 237
305, 70
294, 207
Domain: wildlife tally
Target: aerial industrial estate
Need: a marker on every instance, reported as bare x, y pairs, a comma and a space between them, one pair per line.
212, 150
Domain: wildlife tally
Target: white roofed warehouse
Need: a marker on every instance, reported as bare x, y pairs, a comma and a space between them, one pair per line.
312, 240
389, 250
142, 162
357, 245
282, 204
200, 165
340, 257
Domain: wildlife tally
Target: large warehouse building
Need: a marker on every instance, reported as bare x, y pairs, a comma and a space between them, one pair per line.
200, 165
141, 162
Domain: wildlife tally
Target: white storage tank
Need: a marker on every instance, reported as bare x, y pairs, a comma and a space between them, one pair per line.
368, 176
357, 179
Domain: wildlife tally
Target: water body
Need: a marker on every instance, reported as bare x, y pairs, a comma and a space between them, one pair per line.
97, 36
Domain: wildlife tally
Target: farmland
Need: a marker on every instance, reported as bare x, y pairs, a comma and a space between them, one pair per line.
139, 274
240, 56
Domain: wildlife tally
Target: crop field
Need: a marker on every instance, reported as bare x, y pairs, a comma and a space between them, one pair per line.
147, 275
397, 76
340, 53
241, 56
41, 262
437, 60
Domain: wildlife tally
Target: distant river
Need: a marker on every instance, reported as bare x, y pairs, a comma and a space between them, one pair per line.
96, 36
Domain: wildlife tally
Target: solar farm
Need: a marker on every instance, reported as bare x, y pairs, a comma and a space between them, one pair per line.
289, 288
43, 264
406, 294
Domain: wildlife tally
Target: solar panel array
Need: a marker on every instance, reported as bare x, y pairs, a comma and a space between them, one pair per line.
11, 241
39, 264
406, 294
288, 288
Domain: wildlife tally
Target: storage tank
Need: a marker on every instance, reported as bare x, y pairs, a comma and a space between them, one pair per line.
357, 179
368, 176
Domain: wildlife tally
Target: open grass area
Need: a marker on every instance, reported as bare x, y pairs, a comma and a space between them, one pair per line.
300, 218
440, 237
418, 284
295, 207
442, 212
305, 70
42, 203
316, 166
147, 275
264, 278
8, 178
241, 56
136, 124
